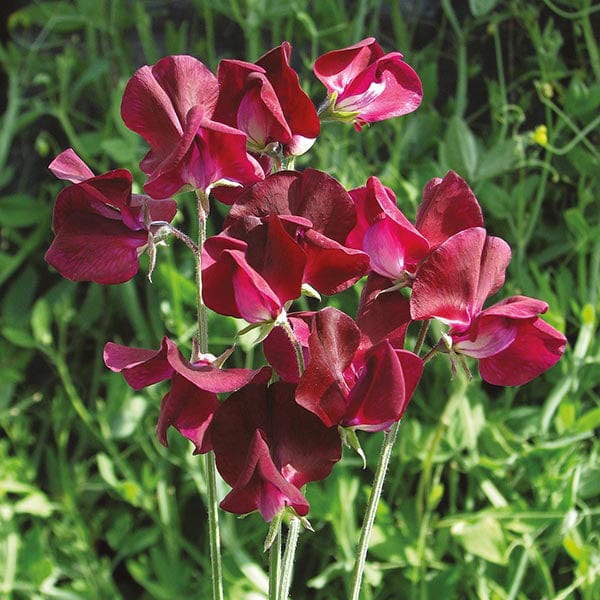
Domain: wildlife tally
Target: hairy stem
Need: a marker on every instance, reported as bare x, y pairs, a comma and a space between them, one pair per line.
369, 519
211, 469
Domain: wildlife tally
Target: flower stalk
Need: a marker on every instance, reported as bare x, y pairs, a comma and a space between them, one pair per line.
210, 463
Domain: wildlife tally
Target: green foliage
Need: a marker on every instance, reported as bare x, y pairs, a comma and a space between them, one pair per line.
492, 493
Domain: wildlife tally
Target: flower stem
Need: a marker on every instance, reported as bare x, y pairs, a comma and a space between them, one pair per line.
294, 527
369, 519
211, 469
275, 565
288, 558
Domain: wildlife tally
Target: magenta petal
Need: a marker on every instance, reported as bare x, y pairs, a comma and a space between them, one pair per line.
190, 410
448, 206
487, 336
393, 248
67, 165
517, 307
537, 347
454, 281
88, 247
382, 315
333, 340
494, 261
297, 107
280, 353
261, 487
387, 88
379, 396
255, 301
139, 367
336, 69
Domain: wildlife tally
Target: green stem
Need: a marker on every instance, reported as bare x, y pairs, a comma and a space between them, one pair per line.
275, 565
421, 338
367, 527
461, 59
211, 469
294, 527
288, 558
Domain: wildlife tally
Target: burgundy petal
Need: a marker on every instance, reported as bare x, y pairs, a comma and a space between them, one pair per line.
537, 347
261, 486
379, 396
333, 341
454, 281
448, 206
88, 247
280, 353
190, 410
139, 367
382, 315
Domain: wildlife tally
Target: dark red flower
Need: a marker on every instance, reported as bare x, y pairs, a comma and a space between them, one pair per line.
395, 246
267, 447
171, 105
365, 85
353, 384
512, 343
192, 399
100, 227
318, 212
266, 102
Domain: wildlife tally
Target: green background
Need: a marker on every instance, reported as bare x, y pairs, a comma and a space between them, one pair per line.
492, 492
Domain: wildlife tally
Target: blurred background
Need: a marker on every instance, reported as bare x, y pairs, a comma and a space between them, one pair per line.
492, 492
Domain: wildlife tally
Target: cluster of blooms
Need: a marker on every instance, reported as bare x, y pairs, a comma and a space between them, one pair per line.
289, 233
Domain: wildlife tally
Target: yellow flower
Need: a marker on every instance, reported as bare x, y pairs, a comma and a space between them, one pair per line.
540, 135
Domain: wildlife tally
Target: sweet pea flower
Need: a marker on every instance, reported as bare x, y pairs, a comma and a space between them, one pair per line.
190, 403
353, 383
513, 345
284, 232
266, 102
100, 227
319, 213
395, 246
254, 279
171, 105
267, 447
365, 85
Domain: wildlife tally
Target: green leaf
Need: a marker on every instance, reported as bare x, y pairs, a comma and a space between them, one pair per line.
36, 504
20, 210
482, 7
459, 148
483, 538
41, 321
